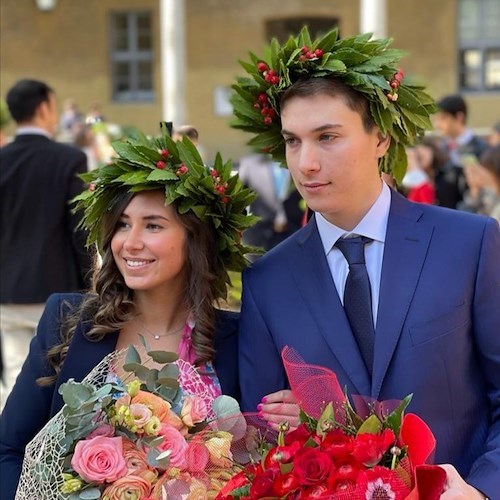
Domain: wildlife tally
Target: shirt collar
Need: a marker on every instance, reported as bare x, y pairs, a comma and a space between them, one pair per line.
373, 224
32, 130
465, 137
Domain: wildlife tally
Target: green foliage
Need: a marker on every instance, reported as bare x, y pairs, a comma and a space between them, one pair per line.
366, 64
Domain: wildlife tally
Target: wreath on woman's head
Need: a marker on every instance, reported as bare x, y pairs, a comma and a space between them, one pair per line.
214, 195
398, 108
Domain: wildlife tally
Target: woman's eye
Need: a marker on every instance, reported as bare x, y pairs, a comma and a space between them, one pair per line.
154, 227
121, 224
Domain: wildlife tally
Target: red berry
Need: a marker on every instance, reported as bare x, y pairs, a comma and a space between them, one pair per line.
304, 49
271, 112
214, 173
262, 66
310, 55
182, 169
394, 84
164, 153
302, 58
318, 53
220, 189
91, 186
268, 120
262, 97
225, 199
275, 80
256, 105
161, 164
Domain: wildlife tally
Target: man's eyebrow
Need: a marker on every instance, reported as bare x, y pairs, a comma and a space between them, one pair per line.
321, 128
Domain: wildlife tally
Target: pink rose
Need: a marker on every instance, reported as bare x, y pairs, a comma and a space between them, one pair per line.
197, 457
140, 414
104, 430
128, 487
194, 410
99, 459
135, 458
173, 441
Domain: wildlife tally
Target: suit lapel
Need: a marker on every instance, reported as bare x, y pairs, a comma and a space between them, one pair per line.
314, 280
406, 245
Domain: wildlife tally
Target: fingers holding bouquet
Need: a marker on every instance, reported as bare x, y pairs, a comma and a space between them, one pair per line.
278, 408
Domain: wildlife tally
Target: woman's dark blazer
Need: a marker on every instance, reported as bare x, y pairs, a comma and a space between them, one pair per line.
30, 406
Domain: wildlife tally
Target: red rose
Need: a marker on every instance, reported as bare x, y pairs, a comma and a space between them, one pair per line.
262, 484
281, 455
301, 434
369, 448
312, 466
320, 491
338, 445
285, 484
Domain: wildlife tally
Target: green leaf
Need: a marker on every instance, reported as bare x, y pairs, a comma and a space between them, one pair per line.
326, 420
162, 175
133, 355
395, 419
372, 425
163, 356
170, 370
90, 494
74, 394
328, 41
126, 151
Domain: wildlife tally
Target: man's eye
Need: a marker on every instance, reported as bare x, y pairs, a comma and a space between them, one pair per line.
327, 137
290, 140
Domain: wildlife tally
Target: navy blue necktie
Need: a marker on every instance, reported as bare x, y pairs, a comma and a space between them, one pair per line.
358, 297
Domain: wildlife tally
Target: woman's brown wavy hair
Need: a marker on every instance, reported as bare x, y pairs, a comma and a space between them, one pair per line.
110, 305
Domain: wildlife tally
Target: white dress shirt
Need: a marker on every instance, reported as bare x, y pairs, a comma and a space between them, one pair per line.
32, 130
374, 226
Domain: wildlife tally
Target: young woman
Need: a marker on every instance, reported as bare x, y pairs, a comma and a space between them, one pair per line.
160, 275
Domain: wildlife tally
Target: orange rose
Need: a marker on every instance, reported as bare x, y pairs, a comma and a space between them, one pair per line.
136, 460
157, 405
128, 487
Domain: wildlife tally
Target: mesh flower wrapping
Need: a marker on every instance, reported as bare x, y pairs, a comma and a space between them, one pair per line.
161, 434
338, 453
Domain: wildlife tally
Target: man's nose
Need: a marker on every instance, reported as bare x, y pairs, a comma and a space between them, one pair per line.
308, 159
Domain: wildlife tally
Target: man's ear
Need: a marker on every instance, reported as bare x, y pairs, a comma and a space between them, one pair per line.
383, 144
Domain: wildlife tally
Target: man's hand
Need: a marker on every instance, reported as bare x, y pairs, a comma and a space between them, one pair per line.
456, 488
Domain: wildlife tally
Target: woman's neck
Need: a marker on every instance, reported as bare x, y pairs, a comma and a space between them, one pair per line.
161, 312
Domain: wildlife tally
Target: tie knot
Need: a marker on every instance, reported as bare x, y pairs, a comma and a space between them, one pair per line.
353, 249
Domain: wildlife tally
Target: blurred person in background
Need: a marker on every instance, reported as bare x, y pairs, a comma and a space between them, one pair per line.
417, 184
483, 178
494, 137
451, 121
40, 250
448, 179
70, 122
4, 121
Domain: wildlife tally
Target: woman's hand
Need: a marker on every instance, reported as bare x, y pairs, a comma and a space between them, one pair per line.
279, 407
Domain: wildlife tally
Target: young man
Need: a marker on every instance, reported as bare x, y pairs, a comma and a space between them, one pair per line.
41, 251
451, 121
426, 290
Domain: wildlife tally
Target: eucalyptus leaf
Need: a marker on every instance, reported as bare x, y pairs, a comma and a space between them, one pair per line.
163, 356
133, 355
90, 494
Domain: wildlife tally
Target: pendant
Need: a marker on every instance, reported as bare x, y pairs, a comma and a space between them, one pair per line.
157, 337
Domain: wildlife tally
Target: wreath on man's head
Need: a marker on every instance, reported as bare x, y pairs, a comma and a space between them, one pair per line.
398, 108
214, 195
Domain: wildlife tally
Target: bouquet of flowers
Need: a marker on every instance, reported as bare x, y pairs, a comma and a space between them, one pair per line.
339, 453
155, 432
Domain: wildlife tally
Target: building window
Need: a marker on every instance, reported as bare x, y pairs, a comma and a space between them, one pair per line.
479, 44
131, 56
284, 27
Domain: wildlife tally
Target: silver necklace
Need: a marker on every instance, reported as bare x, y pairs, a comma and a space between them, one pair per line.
156, 336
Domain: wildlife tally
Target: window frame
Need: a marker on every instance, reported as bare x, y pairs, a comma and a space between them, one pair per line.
481, 44
132, 56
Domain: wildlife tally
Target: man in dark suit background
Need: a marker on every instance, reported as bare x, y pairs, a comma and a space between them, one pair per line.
40, 250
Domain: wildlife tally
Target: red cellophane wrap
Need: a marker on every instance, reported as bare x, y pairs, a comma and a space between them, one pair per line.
338, 465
